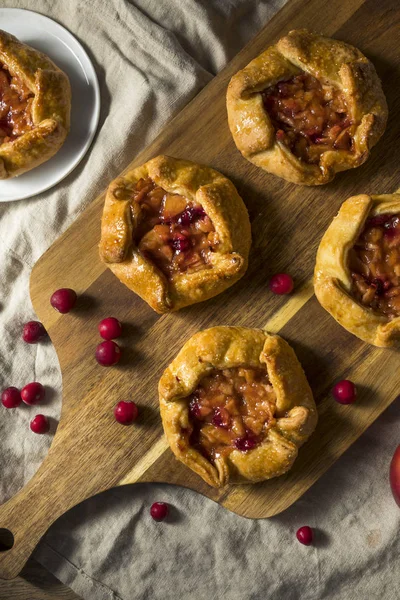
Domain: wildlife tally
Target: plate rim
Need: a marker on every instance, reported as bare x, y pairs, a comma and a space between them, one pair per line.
97, 103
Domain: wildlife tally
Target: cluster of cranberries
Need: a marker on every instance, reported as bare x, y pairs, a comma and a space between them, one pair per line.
32, 393
108, 353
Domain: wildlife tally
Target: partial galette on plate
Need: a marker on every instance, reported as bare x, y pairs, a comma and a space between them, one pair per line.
236, 406
307, 108
35, 105
175, 232
357, 272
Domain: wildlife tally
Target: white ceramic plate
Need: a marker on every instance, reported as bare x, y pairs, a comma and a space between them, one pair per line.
49, 37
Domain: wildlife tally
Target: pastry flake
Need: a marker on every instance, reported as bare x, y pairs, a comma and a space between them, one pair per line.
35, 104
307, 108
357, 271
236, 406
175, 232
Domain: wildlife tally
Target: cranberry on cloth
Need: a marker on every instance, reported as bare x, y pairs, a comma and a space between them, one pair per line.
152, 57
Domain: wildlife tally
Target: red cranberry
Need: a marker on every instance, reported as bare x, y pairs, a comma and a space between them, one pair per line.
378, 220
40, 424
345, 392
191, 214
180, 243
305, 535
33, 393
63, 300
381, 286
159, 510
33, 331
11, 397
281, 283
108, 353
110, 328
246, 443
194, 409
126, 412
220, 418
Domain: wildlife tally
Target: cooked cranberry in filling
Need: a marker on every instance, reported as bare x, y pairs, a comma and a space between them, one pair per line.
173, 232
15, 107
374, 263
231, 409
309, 118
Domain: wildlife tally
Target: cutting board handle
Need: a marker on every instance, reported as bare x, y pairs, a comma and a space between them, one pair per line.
53, 490
24, 519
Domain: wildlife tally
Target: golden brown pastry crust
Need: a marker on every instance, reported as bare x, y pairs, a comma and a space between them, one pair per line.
221, 202
332, 278
328, 60
50, 108
224, 348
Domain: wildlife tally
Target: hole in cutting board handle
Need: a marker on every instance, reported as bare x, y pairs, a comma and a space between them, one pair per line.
6, 540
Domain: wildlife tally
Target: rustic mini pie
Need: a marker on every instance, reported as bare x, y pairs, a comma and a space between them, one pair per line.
306, 108
175, 232
35, 104
357, 272
236, 406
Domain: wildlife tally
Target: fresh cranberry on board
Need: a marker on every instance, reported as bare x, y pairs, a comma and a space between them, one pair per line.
159, 510
11, 397
281, 283
108, 353
345, 392
305, 535
395, 475
125, 412
110, 328
63, 300
33, 331
33, 393
40, 424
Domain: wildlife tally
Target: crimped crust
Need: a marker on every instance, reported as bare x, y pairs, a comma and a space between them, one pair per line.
332, 279
50, 108
223, 348
220, 200
330, 61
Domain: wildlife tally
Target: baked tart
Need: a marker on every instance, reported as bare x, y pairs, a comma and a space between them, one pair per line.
357, 272
175, 232
236, 406
307, 108
35, 104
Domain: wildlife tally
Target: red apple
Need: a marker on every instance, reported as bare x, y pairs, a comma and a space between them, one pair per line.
395, 475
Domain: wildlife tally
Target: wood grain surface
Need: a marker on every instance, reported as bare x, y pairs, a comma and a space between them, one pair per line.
91, 452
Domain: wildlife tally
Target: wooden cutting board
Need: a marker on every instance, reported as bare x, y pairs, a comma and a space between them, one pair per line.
90, 451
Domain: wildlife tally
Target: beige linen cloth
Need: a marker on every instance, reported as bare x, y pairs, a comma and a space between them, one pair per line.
152, 57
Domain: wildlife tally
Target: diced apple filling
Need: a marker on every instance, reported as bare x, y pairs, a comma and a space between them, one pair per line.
309, 118
174, 233
15, 107
374, 263
231, 409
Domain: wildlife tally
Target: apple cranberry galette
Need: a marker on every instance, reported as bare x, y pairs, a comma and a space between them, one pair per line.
175, 232
306, 108
35, 103
236, 405
357, 273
